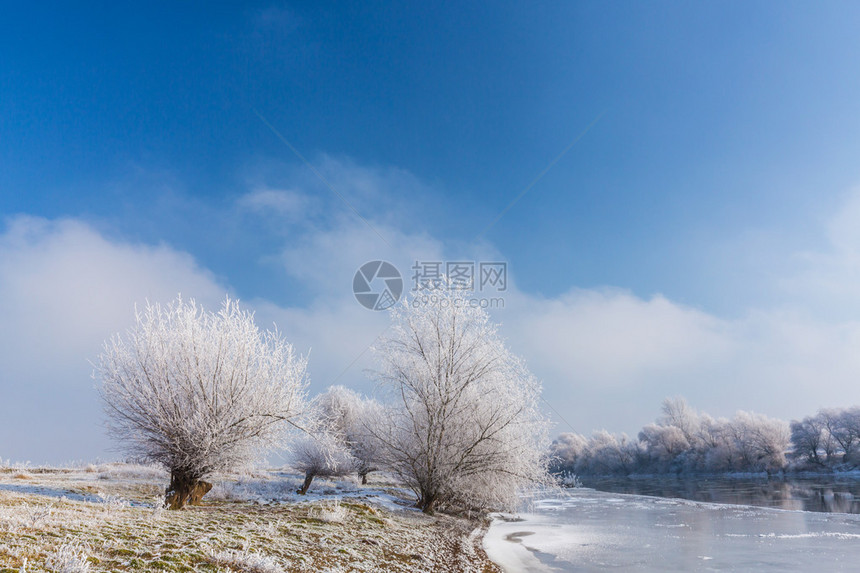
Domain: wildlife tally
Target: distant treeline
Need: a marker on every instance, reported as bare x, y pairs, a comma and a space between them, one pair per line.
685, 441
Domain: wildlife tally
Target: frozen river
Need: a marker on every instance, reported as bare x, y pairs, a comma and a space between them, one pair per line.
588, 530
840, 494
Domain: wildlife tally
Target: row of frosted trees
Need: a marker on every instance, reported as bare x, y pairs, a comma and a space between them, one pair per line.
201, 392
829, 439
681, 441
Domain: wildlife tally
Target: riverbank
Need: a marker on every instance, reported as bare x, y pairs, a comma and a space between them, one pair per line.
108, 518
509, 540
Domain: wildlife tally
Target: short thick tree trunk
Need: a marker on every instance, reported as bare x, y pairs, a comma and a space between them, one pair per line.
201, 489
364, 471
309, 477
184, 490
427, 504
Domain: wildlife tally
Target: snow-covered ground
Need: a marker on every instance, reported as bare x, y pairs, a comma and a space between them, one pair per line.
109, 517
588, 530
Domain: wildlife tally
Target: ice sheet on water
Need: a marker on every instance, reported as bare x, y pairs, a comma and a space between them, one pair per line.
49, 492
591, 530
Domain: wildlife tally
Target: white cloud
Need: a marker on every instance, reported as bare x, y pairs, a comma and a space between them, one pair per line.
288, 204
333, 324
843, 230
616, 338
606, 356
64, 289
329, 258
820, 278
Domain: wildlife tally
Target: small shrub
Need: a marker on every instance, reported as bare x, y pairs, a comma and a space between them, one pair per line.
569, 479
113, 503
70, 557
331, 512
38, 513
251, 562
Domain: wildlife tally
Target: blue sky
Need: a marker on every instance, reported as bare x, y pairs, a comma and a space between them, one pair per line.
712, 203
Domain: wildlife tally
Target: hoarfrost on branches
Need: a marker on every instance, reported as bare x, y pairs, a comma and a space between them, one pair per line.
340, 440
830, 437
463, 428
352, 417
681, 441
198, 391
321, 453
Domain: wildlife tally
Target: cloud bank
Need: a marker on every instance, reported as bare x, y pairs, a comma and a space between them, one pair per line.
606, 356
64, 289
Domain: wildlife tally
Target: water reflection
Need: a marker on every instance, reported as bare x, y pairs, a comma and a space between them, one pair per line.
822, 494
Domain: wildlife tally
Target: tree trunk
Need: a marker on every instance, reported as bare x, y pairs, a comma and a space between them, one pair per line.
201, 489
428, 504
309, 477
363, 478
185, 489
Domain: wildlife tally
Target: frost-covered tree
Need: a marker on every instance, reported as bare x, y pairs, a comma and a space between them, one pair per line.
807, 438
718, 452
362, 441
464, 427
340, 441
684, 441
351, 417
611, 453
841, 432
828, 443
198, 391
664, 445
846, 431
678, 413
567, 452
710, 433
833, 420
321, 453
760, 441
